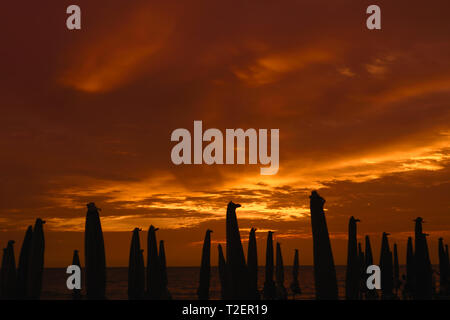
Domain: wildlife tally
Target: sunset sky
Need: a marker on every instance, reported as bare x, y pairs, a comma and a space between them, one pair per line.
86, 116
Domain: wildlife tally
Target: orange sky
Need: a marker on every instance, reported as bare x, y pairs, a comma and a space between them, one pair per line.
87, 115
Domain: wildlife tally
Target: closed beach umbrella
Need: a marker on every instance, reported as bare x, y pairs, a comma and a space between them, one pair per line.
396, 270
154, 277
236, 264
136, 271
162, 261
423, 272
222, 274
94, 251
24, 263
269, 283
353, 268
36, 260
76, 293
252, 263
368, 261
281, 293
324, 269
205, 268
386, 266
295, 286
410, 270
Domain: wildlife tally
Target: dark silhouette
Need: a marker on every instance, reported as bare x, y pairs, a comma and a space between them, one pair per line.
281, 293
36, 266
24, 263
252, 263
368, 261
396, 271
3, 274
94, 250
235, 263
205, 268
165, 294
324, 269
136, 269
386, 267
76, 293
154, 279
448, 270
8, 273
362, 272
410, 271
295, 286
222, 274
353, 267
443, 269
269, 290
422, 264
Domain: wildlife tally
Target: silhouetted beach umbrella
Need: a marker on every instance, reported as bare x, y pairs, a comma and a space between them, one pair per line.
94, 252
23, 265
162, 261
443, 268
410, 273
236, 265
324, 269
205, 268
362, 272
76, 293
368, 258
295, 286
252, 263
8, 272
3, 273
136, 270
36, 266
269, 290
353, 267
386, 267
281, 293
422, 264
368, 253
154, 277
396, 270
222, 274
448, 269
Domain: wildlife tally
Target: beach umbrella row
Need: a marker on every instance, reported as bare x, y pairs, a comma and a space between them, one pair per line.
25, 282
8, 273
156, 269
238, 278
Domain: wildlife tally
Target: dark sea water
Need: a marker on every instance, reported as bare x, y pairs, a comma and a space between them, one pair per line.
183, 282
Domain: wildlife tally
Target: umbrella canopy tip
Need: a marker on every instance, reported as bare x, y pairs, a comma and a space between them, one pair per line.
232, 205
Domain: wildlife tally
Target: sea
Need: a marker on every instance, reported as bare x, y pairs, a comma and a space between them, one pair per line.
182, 283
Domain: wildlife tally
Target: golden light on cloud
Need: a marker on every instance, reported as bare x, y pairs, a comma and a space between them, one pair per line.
117, 55
272, 67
